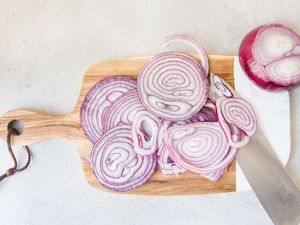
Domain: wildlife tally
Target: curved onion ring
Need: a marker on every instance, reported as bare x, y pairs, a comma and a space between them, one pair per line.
219, 88
172, 86
195, 45
200, 147
270, 56
122, 110
115, 163
145, 128
236, 113
98, 99
165, 162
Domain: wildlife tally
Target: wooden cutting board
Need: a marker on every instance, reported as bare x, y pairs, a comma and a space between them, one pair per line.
39, 126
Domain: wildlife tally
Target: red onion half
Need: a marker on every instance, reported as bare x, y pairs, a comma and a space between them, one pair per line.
195, 45
145, 128
270, 56
98, 99
173, 86
200, 147
115, 163
235, 115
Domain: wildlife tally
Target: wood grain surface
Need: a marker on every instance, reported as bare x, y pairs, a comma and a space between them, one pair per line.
39, 127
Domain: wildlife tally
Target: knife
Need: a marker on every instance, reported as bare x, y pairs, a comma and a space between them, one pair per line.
272, 185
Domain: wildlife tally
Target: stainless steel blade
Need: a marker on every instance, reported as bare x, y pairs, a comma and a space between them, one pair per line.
274, 188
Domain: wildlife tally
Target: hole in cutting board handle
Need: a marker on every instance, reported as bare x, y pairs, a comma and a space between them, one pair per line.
17, 126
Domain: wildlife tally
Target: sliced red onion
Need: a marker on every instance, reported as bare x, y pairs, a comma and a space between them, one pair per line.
236, 114
145, 128
210, 103
165, 162
195, 45
204, 115
219, 88
98, 99
200, 147
215, 176
115, 163
270, 56
173, 86
122, 110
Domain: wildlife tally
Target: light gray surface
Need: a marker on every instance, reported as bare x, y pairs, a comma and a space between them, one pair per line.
45, 47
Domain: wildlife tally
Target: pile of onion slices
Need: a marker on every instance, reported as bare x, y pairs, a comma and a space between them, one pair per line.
170, 119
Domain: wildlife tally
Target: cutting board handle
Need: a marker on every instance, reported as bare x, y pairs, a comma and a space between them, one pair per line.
40, 127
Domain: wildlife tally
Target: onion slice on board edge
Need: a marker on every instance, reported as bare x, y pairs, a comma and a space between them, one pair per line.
115, 163
98, 99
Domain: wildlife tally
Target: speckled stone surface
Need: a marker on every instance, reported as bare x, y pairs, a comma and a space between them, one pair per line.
45, 47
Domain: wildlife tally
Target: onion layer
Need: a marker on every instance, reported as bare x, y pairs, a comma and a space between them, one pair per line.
172, 86
115, 163
219, 88
145, 128
165, 162
200, 147
270, 56
98, 99
195, 45
122, 110
236, 114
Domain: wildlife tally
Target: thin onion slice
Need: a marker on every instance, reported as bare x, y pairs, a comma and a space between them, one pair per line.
270, 56
200, 147
98, 99
172, 86
115, 163
236, 114
165, 162
219, 88
194, 44
122, 110
145, 128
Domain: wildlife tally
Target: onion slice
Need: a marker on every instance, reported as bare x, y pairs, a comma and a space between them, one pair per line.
194, 44
172, 86
145, 128
122, 110
270, 56
165, 162
200, 147
98, 99
219, 88
115, 163
236, 114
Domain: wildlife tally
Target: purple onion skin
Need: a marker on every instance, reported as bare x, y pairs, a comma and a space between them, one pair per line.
246, 54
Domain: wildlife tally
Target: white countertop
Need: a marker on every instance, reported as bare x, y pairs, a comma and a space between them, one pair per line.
45, 47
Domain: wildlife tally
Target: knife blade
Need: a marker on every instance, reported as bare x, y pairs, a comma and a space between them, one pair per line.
272, 185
